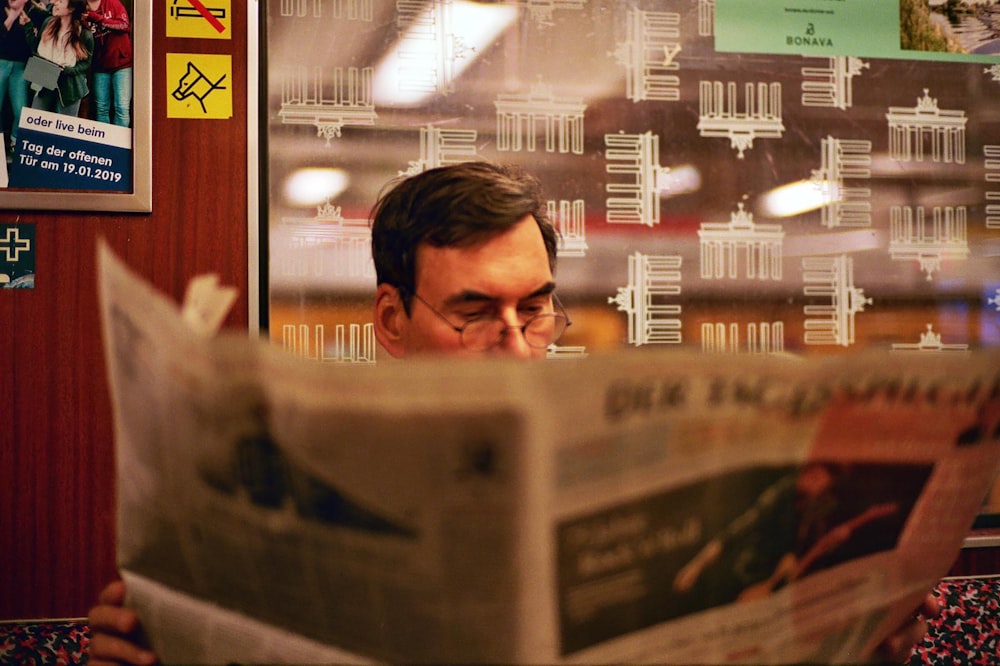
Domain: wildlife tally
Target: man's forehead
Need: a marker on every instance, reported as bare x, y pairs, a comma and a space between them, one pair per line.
517, 256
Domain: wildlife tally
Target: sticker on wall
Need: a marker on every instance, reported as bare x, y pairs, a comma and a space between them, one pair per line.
17, 256
60, 152
199, 85
653, 281
203, 20
349, 102
830, 281
930, 342
724, 243
991, 166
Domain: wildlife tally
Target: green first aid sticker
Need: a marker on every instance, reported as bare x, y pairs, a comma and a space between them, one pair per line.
870, 28
17, 256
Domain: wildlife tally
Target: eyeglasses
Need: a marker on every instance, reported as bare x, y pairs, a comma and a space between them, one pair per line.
484, 333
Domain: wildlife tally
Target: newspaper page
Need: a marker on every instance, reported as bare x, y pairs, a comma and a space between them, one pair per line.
643, 507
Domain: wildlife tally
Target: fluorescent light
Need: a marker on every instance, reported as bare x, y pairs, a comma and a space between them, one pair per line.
312, 186
796, 198
436, 48
678, 180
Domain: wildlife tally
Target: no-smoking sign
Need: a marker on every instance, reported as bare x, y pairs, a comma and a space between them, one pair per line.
203, 19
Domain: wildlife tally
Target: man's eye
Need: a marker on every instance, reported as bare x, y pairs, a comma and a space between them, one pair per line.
531, 309
472, 315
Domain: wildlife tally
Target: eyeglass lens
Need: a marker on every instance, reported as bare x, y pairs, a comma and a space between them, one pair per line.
540, 331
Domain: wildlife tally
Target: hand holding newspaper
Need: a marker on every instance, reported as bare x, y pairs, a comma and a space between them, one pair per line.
634, 507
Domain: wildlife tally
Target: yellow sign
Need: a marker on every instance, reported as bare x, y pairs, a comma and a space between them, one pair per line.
204, 19
199, 85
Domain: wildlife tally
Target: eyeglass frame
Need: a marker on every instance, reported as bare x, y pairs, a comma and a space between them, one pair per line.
559, 312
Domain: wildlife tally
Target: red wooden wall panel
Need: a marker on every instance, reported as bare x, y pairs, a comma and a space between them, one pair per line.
57, 525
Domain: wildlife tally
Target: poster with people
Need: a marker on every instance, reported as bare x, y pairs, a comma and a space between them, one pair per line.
66, 94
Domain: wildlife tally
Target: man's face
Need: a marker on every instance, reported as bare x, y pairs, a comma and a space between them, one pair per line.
507, 276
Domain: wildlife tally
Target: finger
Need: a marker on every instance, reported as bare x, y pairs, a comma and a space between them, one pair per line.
930, 608
105, 648
113, 594
114, 619
916, 633
91, 661
897, 648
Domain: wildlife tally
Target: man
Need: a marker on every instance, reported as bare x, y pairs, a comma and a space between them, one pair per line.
464, 259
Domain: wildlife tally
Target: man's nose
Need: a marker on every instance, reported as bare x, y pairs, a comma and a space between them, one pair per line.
512, 342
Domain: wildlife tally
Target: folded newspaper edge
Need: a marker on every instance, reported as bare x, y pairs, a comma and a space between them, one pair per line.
206, 633
206, 303
630, 507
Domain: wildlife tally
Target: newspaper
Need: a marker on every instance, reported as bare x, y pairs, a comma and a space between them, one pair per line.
630, 507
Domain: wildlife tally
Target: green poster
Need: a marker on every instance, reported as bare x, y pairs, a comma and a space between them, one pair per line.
914, 29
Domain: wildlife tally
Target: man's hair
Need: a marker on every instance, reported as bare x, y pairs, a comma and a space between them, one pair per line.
452, 206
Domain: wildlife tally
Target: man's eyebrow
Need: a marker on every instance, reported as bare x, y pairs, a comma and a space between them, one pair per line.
545, 290
472, 296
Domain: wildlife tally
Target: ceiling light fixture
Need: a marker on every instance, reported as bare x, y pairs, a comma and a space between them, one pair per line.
436, 48
312, 186
796, 198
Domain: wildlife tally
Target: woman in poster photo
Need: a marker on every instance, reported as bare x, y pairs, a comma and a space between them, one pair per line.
112, 63
14, 52
66, 41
